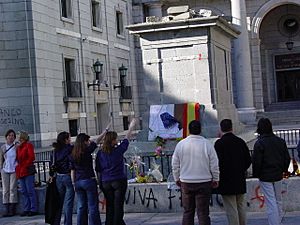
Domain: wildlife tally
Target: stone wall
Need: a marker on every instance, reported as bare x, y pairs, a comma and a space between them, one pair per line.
154, 197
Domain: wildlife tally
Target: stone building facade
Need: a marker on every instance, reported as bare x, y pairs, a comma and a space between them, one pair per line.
265, 56
47, 49
47, 52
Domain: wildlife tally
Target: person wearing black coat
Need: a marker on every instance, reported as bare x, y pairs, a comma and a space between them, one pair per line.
270, 160
234, 160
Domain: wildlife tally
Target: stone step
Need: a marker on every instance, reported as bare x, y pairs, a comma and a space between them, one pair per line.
283, 106
281, 117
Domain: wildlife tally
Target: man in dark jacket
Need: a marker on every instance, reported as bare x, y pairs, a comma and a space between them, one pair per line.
234, 160
270, 160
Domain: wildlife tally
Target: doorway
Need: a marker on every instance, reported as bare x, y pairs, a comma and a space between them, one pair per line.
288, 85
103, 117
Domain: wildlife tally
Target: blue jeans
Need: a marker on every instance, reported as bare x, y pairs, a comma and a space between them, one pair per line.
88, 203
272, 194
66, 194
28, 193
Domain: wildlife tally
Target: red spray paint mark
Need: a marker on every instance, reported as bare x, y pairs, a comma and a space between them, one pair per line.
200, 56
259, 197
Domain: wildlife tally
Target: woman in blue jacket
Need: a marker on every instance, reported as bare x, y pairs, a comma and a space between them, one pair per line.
84, 179
112, 176
60, 160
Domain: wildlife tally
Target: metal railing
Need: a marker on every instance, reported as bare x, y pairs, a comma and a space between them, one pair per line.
291, 136
72, 89
43, 158
42, 169
164, 162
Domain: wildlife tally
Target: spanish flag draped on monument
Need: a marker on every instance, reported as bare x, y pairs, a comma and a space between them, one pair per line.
171, 120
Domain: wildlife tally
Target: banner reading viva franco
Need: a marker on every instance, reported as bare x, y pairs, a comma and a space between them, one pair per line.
171, 120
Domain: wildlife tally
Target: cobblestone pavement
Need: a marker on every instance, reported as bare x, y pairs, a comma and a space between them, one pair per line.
291, 218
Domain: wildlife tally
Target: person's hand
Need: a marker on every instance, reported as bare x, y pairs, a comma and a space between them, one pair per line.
178, 183
108, 126
215, 184
132, 123
50, 180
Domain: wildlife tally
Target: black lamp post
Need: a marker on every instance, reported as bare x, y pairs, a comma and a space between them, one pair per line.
123, 74
97, 69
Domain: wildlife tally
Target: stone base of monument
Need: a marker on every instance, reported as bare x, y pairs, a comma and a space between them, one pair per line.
156, 197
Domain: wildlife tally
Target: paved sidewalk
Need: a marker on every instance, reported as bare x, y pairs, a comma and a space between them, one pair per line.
291, 218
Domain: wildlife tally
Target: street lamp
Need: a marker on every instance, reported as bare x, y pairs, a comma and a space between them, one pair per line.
123, 74
289, 45
97, 69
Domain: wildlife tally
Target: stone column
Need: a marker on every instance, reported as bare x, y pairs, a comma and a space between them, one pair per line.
257, 74
242, 64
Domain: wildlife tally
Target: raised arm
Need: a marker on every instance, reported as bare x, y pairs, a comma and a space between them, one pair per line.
101, 136
130, 128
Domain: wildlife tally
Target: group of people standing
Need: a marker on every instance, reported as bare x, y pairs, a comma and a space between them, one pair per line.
16, 164
73, 169
199, 167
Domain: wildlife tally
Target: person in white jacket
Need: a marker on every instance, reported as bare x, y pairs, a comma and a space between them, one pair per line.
196, 171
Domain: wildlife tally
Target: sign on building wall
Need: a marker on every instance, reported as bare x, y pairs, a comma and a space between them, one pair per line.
11, 118
287, 61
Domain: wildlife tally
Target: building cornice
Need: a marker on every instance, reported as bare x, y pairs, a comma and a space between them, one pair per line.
142, 28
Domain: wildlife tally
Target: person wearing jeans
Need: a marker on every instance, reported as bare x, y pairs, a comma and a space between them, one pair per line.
273, 197
84, 179
29, 195
8, 173
270, 160
87, 194
111, 173
61, 168
25, 158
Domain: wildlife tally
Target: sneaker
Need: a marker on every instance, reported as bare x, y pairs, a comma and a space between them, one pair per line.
31, 213
25, 213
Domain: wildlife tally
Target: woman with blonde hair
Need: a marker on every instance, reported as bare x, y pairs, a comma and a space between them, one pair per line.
26, 175
112, 176
8, 173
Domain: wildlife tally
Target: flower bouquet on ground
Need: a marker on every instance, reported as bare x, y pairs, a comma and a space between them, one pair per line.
135, 165
155, 173
160, 145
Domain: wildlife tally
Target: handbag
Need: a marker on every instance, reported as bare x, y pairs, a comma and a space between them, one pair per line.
52, 201
31, 169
